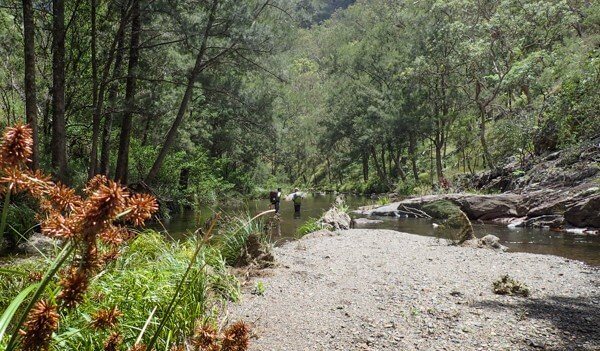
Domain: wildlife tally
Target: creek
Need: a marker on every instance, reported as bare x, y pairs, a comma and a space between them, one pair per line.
532, 240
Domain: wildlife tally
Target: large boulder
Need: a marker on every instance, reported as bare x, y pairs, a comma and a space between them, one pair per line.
335, 219
486, 207
440, 209
585, 213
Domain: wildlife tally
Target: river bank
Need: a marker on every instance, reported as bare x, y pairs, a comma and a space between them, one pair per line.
384, 290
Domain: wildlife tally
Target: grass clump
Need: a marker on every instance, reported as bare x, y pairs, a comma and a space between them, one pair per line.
243, 240
383, 200
311, 225
509, 286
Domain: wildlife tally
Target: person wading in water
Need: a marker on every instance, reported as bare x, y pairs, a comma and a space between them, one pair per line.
275, 198
297, 199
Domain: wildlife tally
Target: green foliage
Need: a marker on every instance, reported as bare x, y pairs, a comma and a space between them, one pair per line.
143, 278
311, 225
259, 288
21, 221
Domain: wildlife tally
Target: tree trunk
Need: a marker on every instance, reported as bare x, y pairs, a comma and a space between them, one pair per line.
383, 169
378, 168
97, 115
487, 159
93, 53
170, 138
147, 130
112, 100
30, 88
365, 166
438, 162
59, 135
121, 171
412, 150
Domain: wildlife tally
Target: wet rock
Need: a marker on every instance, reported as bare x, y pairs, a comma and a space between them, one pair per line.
548, 221
585, 213
387, 210
366, 221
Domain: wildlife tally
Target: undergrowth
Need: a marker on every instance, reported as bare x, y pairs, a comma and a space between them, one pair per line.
141, 279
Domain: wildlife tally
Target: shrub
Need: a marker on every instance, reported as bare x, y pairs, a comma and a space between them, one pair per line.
508, 286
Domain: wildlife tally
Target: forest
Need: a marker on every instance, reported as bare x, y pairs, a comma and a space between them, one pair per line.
214, 98
118, 113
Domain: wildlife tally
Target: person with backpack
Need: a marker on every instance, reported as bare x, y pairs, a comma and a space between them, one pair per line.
275, 198
297, 199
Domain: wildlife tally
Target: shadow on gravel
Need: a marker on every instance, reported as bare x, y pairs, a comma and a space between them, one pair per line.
578, 319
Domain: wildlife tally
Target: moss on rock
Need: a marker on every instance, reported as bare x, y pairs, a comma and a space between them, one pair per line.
441, 209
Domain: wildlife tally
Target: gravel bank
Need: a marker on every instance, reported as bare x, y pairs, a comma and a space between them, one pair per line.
384, 290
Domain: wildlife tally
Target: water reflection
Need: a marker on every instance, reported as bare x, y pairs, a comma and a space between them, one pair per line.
581, 248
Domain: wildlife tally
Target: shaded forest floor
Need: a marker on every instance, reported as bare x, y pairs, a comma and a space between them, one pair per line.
384, 290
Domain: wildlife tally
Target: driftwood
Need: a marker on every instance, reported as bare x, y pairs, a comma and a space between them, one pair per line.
411, 211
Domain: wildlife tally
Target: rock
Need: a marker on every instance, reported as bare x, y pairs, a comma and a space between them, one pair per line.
550, 207
548, 221
486, 207
493, 242
335, 219
440, 209
585, 213
487, 242
38, 243
390, 210
366, 221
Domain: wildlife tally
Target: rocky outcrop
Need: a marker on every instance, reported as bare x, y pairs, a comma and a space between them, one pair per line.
549, 209
556, 191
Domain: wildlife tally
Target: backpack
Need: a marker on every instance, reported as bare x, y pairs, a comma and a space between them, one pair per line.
297, 199
273, 197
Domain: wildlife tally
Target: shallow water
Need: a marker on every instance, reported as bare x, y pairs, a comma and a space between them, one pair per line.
582, 248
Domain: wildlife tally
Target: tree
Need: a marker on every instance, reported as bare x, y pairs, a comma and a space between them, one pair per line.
59, 133
30, 87
121, 170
